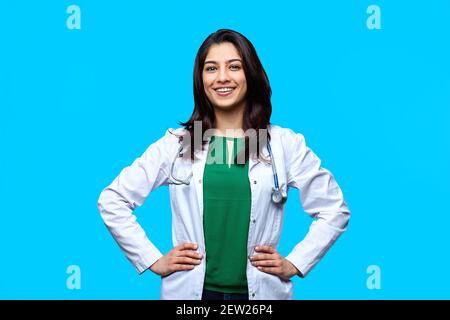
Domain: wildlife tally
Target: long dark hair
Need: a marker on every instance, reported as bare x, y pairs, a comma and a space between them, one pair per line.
258, 108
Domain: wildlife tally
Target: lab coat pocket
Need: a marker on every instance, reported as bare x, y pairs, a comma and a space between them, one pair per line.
172, 285
278, 288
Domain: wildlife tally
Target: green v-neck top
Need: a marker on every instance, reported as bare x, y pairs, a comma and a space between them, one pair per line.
226, 217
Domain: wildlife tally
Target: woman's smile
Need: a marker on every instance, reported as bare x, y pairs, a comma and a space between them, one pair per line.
224, 91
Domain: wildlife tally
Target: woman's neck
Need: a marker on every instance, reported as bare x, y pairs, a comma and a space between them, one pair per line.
229, 123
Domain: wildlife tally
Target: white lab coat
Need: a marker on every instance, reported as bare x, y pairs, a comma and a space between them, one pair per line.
297, 167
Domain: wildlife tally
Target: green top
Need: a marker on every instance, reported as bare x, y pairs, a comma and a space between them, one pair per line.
226, 216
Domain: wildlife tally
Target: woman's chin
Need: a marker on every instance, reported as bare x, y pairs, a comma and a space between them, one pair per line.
226, 106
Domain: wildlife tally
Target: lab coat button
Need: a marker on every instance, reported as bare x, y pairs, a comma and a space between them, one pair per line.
253, 294
199, 180
254, 221
254, 181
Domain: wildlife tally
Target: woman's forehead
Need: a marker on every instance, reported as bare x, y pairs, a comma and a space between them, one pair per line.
222, 52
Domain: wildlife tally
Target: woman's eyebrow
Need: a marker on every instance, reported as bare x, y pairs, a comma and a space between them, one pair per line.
229, 61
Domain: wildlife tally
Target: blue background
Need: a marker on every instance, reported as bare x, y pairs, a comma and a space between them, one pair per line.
76, 106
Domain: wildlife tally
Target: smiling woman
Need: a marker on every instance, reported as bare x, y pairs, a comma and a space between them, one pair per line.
224, 77
226, 216
231, 88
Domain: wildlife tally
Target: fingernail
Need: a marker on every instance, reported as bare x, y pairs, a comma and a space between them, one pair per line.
256, 248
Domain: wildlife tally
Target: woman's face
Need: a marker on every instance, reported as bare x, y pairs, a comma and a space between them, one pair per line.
223, 77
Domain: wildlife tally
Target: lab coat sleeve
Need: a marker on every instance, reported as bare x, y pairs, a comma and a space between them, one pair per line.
128, 191
321, 198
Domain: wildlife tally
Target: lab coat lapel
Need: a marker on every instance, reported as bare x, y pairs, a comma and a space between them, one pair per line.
198, 167
253, 160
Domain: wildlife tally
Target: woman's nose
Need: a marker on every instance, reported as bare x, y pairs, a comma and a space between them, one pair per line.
223, 75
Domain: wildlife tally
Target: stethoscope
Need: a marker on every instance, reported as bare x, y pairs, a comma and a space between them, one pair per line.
278, 196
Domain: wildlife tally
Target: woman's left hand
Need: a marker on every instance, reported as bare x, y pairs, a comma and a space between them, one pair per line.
269, 260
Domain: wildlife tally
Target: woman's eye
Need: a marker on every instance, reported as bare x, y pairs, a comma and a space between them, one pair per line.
235, 67
210, 68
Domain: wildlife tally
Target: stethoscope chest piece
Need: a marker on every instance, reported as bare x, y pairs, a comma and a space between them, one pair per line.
278, 196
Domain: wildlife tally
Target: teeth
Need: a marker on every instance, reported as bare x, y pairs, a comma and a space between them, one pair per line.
224, 89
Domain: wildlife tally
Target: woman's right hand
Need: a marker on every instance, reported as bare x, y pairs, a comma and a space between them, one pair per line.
182, 257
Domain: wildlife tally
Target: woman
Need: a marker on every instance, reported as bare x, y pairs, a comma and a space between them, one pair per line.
228, 171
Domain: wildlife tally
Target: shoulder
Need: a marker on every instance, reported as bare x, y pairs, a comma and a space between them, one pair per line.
174, 133
171, 137
287, 135
292, 143
168, 142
